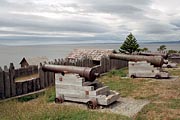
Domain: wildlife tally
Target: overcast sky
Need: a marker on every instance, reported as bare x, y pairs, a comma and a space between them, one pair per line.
94, 21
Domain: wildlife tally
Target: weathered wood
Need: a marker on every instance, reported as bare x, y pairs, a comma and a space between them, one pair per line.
52, 78
108, 64
7, 82
30, 86
26, 71
55, 62
34, 84
41, 75
19, 88
12, 80
45, 79
2, 91
48, 79
25, 87
38, 86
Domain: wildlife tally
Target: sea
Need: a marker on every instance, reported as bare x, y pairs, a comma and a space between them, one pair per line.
14, 54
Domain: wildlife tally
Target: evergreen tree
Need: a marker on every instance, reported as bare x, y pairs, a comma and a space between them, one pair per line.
130, 45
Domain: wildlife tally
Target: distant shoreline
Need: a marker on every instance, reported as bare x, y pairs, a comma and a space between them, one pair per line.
168, 42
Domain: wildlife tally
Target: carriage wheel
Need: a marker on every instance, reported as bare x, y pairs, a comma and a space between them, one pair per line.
92, 104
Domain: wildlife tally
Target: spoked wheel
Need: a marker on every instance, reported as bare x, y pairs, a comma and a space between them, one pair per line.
59, 99
92, 104
157, 76
133, 76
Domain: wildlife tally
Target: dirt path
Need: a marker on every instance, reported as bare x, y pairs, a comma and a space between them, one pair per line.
124, 106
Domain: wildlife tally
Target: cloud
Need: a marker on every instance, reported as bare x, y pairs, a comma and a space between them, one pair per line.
88, 21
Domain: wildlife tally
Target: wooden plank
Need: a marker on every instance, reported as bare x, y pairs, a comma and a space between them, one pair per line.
38, 84
25, 87
34, 84
2, 91
100, 91
7, 82
30, 86
12, 80
19, 88
48, 79
45, 79
74, 87
41, 75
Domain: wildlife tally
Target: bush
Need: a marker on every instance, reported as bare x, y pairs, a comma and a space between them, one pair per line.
27, 98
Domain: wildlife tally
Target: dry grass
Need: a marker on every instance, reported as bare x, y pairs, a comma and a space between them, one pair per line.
164, 95
164, 105
43, 109
27, 77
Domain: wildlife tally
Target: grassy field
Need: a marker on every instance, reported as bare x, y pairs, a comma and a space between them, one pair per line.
27, 77
164, 97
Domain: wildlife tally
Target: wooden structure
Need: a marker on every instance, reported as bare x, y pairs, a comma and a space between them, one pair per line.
26, 62
144, 69
72, 87
94, 54
10, 88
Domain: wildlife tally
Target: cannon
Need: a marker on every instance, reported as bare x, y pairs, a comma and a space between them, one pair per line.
157, 61
90, 74
80, 85
164, 55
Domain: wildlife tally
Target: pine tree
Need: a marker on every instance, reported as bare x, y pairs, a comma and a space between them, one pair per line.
130, 45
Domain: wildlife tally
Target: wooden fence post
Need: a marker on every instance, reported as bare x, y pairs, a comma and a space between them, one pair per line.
30, 86
2, 95
45, 79
12, 80
7, 82
19, 88
25, 87
41, 76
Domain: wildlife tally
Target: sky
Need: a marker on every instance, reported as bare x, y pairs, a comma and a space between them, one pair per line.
88, 21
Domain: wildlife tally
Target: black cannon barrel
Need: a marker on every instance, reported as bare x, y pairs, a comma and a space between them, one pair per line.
89, 73
157, 61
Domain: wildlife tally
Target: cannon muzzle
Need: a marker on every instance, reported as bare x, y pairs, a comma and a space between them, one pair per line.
89, 73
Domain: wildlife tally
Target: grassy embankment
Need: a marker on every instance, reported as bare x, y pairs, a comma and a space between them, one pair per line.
164, 97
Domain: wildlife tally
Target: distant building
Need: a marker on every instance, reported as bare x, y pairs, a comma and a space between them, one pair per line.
94, 54
25, 62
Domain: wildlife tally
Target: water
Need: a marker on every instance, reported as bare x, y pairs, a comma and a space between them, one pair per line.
16, 53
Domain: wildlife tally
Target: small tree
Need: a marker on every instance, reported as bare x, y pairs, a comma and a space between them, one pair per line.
130, 45
172, 51
143, 49
161, 48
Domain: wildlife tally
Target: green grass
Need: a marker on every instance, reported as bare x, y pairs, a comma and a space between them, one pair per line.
28, 98
174, 104
121, 72
124, 86
116, 81
50, 94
